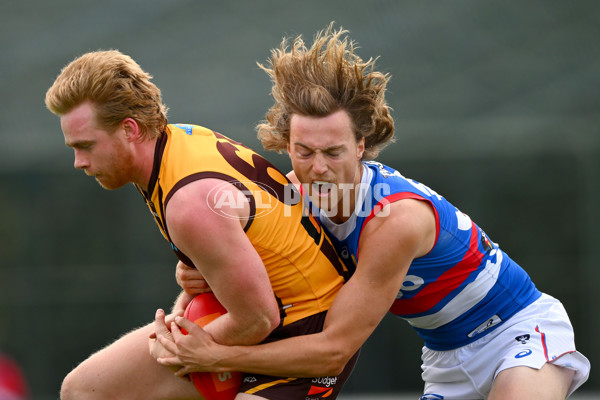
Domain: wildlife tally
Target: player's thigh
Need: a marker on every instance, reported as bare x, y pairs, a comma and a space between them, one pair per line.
127, 370
550, 382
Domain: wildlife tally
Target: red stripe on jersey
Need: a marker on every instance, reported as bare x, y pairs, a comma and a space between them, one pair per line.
435, 291
392, 199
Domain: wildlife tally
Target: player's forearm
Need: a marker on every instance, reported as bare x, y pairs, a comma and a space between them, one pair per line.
301, 356
181, 302
228, 330
352, 317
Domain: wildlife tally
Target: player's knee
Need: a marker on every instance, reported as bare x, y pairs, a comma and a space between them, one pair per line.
68, 389
73, 388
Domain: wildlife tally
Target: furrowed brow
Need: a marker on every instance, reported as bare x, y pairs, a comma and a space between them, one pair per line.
327, 149
79, 144
334, 148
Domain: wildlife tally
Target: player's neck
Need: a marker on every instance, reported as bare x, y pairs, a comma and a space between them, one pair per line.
144, 160
345, 211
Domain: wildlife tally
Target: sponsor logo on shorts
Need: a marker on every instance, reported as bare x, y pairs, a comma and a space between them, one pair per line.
493, 321
324, 388
321, 392
325, 381
523, 338
523, 353
249, 379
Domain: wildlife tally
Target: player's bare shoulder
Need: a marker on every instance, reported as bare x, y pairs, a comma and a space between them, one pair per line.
406, 220
207, 200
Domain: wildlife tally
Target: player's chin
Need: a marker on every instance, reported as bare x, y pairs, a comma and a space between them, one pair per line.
109, 184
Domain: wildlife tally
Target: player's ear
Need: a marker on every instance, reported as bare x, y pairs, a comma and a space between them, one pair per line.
360, 149
131, 129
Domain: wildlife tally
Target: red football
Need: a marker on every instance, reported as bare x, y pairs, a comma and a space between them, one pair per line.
212, 385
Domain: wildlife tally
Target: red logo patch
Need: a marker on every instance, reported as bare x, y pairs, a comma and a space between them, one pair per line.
321, 391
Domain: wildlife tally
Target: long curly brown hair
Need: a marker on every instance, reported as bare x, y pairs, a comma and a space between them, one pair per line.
320, 80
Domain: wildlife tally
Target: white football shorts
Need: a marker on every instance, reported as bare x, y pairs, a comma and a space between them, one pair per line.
538, 334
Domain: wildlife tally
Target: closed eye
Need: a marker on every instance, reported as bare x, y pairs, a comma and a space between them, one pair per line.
304, 153
81, 145
334, 153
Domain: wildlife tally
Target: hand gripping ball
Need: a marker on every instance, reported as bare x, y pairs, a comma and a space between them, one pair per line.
212, 385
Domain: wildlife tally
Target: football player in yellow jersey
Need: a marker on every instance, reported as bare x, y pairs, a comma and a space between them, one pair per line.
221, 206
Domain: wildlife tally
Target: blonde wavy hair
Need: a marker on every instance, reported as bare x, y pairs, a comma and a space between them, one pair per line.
321, 80
116, 85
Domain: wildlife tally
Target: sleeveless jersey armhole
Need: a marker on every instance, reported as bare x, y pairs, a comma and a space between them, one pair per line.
397, 197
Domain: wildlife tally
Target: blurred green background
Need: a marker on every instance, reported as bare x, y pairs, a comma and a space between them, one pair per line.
496, 107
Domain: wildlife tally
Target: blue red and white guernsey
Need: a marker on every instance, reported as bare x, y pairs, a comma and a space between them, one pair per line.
464, 288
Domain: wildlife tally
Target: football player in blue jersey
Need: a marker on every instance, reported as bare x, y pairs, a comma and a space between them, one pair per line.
488, 331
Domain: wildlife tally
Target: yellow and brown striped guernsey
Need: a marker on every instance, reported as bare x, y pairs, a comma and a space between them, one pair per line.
303, 267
